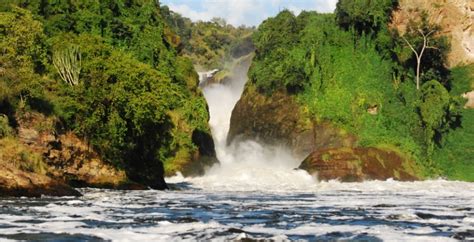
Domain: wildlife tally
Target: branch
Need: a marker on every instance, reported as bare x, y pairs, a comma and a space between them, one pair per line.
428, 34
425, 43
432, 47
431, 32
411, 46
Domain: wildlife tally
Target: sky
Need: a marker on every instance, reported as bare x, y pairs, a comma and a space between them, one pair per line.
244, 12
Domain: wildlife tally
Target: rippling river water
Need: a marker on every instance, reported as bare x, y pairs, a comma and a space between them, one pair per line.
425, 211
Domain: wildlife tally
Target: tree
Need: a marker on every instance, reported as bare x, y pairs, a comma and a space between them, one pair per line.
420, 38
219, 21
22, 57
419, 53
365, 16
438, 111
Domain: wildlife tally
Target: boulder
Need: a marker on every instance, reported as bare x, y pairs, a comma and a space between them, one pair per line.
470, 99
359, 164
204, 157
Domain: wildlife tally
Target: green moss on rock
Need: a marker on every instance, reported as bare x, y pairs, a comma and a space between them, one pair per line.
359, 164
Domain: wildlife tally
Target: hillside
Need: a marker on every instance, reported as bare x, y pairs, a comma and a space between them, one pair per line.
357, 93
85, 87
212, 44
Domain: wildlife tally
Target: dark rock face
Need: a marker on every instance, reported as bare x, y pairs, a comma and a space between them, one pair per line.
204, 158
278, 119
358, 164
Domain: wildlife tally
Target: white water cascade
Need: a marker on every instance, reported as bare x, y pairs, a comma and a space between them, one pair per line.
247, 165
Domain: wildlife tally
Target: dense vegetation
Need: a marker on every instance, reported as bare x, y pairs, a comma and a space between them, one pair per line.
110, 72
120, 75
209, 44
351, 69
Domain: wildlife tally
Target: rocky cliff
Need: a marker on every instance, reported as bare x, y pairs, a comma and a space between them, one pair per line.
456, 18
328, 152
41, 161
279, 119
67, 157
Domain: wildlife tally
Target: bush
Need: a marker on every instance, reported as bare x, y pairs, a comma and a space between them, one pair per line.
365, 16
5, 129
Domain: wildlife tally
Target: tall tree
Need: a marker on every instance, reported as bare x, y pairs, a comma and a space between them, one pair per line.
420, 36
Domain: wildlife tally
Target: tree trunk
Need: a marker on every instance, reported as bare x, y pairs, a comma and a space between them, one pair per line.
418, 66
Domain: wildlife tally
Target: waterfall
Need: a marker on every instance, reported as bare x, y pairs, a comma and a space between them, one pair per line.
245, 164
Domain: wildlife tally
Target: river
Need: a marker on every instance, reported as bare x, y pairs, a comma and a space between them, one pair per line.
255, 193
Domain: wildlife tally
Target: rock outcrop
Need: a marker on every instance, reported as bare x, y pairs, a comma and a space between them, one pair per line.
279, 120
203, 158
358, 164
456, 18
68, 158
39, 161
328, 151
18, 183
23, 172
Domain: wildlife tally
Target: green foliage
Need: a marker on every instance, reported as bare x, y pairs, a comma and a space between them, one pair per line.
209, 44
279, 62
273, 33
365, 16
21, 60
5, 129
462, 79
438, 112
456, 155
359, 77
134, 100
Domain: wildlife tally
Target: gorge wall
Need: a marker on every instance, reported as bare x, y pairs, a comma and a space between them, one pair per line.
456, 19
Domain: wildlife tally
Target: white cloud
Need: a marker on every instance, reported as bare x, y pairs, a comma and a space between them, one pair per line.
248, 12
296, 10
186, 11
325, 6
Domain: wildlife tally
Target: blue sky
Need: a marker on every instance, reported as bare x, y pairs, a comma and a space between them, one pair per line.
244, 12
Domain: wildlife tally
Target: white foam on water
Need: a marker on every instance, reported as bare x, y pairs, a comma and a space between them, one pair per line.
246, 165
387, 210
